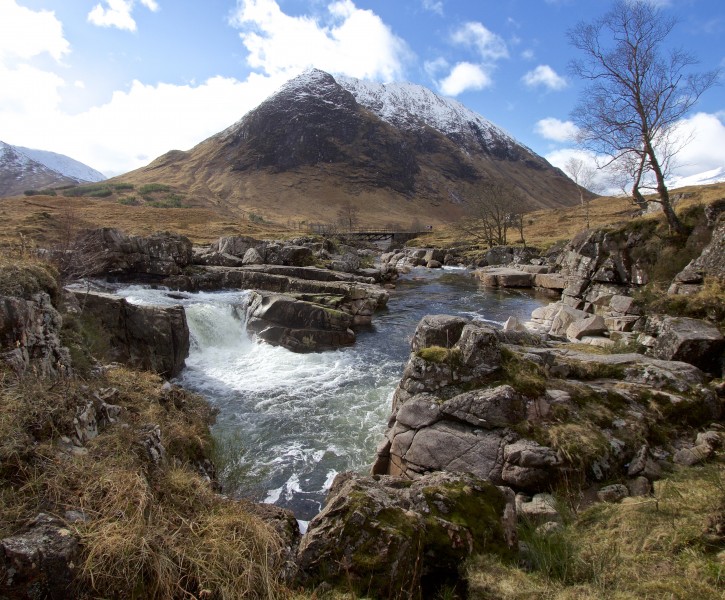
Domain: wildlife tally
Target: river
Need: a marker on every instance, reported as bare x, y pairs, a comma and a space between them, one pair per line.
288, 423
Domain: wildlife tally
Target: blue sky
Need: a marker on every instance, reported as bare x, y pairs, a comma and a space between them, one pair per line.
115, 83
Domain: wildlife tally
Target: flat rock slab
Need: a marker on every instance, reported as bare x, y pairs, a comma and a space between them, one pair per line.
504, 277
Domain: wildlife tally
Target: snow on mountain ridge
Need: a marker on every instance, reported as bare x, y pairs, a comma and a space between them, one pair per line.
409, 104
64, 165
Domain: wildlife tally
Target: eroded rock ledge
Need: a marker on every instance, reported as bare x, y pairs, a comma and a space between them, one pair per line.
505, 407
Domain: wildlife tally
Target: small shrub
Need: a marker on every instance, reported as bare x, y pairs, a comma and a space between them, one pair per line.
580, 444
121, 186
151, 188
128, 201
255, 218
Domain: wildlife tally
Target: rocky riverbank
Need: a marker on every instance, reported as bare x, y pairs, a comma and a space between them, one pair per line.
106, 478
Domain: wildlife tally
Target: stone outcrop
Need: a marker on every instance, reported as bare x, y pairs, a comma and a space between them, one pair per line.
144, 337
110, 252
41, 561
469, 395
392, 538
30, 335
243, 250
711, 261
298, 325
692, 340
359, 297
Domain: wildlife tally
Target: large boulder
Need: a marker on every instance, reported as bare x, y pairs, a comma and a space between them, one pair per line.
109, 251
298, 325
690, 340
438, 330
390, 538
154, 338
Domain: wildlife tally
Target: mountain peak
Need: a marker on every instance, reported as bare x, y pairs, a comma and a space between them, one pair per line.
26, 168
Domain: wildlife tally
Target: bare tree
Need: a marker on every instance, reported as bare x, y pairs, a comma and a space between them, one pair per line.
348, 215
583, 175
490, 214
637, 92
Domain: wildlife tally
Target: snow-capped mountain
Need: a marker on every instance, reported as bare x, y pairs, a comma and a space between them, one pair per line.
395, 150
24, 168
410, 106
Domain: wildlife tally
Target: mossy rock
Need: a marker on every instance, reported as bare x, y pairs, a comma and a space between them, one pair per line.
386, 537
23, 279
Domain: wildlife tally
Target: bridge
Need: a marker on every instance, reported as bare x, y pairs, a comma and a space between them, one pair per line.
384, 235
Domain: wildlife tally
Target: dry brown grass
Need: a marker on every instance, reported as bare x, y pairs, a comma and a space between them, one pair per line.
545, 228
150, 531
644, 548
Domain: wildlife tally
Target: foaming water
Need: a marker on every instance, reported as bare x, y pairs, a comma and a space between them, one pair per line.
303, 418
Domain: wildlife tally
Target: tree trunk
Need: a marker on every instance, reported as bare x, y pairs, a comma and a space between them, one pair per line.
673, 221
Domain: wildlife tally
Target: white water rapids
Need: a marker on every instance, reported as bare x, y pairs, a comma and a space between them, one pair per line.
299, 419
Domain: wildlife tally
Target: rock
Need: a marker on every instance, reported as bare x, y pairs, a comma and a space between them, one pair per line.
643, 464
218, 259
396, 538
487, 408
298, 325
108, 251
550, 281
688, 457
144, 337
236, 245
613, 493
713, 439
639, 486
149, 439
589, 326
437, 330
30, 335
448, 446
357, 296
539, 509
513, 324
503, 277
296, 256
85, 424
41, 561
434, 255
528, 465
711, 261
252, 257
690, 340
624, 305
565, 317
433, 264
479, 349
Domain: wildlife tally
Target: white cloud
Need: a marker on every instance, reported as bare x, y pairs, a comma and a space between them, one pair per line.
527, 55
556, 130
545, 76
435, 6
135, 126
706, 148
434, 67
349, 40
117, 13
704, 153
25, 33
464, 76
489, 45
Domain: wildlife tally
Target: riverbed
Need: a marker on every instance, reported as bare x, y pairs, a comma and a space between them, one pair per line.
288, 423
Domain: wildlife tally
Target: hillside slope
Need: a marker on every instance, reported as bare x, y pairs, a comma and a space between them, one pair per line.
396, 151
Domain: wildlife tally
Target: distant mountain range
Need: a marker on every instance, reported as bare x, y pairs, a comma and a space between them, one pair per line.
28, 169
397, 151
